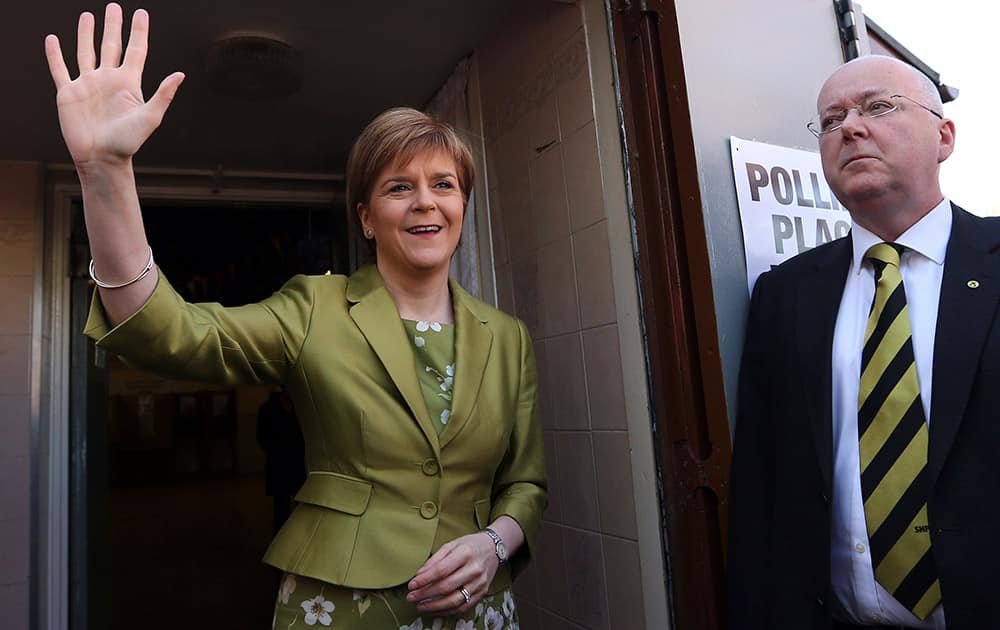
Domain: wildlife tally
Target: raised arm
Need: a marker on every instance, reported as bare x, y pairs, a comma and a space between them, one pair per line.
104, 120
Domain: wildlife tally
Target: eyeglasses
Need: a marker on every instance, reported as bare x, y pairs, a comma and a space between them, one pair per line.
879, 106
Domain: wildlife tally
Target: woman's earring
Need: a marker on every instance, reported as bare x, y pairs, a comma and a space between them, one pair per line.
369, 232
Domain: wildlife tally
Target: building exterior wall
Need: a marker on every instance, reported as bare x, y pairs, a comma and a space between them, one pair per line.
755, 75
20, 244
563, 261
562, 248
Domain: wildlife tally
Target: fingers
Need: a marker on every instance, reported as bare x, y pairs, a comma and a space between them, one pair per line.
111, 44
442, 563
433, 561
434, 587
164, 95
86, 58
470, 576
138, 41
57, 65
452, 604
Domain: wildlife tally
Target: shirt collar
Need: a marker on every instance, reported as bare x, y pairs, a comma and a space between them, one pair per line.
927, 237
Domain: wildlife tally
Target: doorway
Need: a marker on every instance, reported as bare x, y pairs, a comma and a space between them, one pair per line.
170, 516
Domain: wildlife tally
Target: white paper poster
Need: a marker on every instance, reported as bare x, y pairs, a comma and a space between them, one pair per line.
786, 206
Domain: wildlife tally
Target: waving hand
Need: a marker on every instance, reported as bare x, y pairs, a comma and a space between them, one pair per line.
104, 120
102, 113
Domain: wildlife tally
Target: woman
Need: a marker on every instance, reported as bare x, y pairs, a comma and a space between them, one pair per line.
417, 401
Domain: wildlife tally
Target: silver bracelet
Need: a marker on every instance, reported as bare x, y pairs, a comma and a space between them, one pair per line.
142, 274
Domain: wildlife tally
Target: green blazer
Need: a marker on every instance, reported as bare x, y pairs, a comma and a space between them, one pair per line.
384, 490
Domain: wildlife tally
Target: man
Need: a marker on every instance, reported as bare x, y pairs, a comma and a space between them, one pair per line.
867, 441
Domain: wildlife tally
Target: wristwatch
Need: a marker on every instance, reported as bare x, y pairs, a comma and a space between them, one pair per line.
501, 549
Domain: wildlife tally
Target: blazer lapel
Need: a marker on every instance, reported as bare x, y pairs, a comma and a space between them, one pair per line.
817, 303
969, 292
473, 342
376, 316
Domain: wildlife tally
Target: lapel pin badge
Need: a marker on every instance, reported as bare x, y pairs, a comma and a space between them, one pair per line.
972, 284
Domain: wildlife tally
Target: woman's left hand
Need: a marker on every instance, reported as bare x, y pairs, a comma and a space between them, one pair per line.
469, 562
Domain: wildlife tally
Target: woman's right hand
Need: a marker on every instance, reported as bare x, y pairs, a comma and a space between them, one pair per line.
102, 113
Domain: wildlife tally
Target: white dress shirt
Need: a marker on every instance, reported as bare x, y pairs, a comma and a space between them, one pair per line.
858, 598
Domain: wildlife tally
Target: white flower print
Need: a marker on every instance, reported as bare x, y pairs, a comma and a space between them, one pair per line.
462, 624
446, 382
449, 381
423, 326
419, 342
479, 610
363, 601
318, 609
494, 620
416, 625
445, 416
508, 605
287, 588
438, 622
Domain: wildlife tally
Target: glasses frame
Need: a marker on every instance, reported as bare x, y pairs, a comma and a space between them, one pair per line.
813, 125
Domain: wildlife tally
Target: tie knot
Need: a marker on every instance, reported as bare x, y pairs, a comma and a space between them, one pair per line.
885, 253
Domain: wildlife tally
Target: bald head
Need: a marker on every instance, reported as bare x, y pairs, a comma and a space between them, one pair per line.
883, 164
879, 67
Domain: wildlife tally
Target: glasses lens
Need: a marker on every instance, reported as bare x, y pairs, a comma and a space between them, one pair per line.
877, 107
826, 123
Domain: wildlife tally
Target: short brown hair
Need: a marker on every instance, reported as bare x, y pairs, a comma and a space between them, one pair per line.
399, 135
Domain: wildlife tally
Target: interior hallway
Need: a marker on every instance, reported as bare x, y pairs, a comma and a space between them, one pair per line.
187, 555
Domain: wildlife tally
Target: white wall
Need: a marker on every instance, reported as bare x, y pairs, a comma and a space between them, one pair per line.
753, 70
20, 242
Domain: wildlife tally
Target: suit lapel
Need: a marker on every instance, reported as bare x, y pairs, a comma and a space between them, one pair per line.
965, 315
376, 316
473, 342
817, 303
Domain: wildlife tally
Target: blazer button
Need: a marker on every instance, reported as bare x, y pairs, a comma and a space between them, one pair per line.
429, 467
428, 509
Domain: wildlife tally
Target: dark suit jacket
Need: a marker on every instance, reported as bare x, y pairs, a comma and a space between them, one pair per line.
779, 528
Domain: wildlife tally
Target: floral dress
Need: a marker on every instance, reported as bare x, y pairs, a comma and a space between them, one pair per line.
305, 602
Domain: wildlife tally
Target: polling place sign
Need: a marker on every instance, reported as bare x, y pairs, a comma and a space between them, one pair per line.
785, 204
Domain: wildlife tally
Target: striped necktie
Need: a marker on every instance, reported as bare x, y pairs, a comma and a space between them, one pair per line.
893, 439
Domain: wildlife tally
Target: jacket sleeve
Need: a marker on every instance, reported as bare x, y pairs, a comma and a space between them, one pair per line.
519, 486
256, 343
751, 487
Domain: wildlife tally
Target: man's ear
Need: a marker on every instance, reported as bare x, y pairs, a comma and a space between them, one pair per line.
946, 131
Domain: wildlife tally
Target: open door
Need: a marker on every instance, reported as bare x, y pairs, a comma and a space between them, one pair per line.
169, 510
688, 398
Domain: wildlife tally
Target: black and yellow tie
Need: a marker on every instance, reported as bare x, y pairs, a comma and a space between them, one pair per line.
893, 439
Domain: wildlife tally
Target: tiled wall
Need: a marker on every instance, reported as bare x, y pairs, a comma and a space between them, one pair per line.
20, 205
553, 270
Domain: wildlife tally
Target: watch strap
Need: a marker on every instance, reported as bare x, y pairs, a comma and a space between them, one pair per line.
498, 543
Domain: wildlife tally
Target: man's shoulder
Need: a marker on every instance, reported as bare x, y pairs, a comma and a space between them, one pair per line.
989, 224
805, 264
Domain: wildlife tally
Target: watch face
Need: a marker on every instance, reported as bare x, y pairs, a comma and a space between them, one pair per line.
501, 551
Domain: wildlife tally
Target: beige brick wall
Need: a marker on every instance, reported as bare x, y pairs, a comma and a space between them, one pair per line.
553, 269
20, 244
